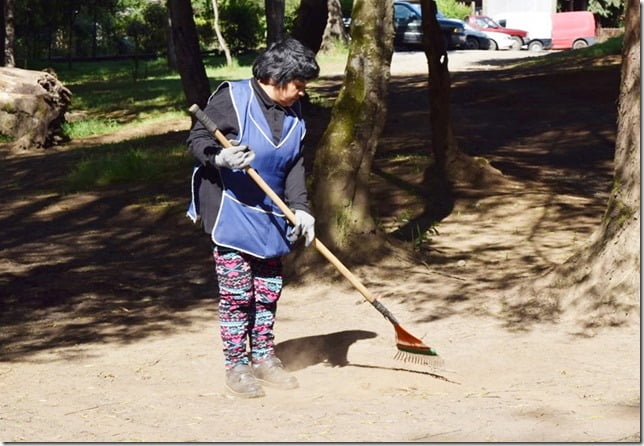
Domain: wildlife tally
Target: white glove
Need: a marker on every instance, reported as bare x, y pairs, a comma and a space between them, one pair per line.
235, 157
305, 224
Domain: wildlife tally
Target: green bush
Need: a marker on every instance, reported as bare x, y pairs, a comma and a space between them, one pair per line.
290, 14
453, 9
242, 27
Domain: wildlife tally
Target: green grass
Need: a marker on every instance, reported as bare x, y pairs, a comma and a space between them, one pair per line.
109, 94
89, 127
110, 98
610, 47
113, 95
6, 138
141, 161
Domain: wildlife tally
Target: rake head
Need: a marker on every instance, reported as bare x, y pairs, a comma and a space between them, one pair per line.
413, 350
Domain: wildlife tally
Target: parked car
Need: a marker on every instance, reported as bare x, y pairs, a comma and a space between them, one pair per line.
408, 30
573, 29
537, 24
485, 23
475, 40
500, 41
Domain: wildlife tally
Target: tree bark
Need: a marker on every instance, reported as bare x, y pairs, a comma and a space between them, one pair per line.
194, 81
10, 34
274, 20
602, 280
172, 54
334, 31
345, 153
310, 23
3, 32
220, 37
32, 108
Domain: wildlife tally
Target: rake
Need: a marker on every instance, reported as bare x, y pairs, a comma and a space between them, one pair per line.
410, 348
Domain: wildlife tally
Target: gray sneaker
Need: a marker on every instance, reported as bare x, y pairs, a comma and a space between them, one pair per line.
241, 382
271, 372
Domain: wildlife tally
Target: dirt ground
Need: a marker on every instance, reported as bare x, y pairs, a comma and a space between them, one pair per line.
109, 315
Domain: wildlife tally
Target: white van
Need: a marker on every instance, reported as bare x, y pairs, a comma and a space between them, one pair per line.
537, 24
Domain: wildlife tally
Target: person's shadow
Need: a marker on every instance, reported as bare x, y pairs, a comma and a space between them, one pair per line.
330, 348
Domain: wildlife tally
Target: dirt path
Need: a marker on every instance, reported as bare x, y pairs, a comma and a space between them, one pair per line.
109, 316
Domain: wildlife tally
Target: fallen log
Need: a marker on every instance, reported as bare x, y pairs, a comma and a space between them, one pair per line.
32, 108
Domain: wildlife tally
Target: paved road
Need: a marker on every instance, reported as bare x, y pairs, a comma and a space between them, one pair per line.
415, 62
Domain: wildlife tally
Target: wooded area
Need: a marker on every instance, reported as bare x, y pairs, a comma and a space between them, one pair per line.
106, 294
344, 155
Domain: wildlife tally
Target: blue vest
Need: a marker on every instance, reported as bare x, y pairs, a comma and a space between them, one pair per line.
248, 220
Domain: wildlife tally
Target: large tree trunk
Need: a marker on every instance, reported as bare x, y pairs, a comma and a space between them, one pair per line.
274, 20
310, 23
602, 281
334, 31
191, 69
345, 153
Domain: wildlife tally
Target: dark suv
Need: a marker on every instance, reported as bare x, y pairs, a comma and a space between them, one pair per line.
409, 32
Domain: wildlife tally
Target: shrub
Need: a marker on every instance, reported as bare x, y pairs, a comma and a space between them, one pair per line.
242, 26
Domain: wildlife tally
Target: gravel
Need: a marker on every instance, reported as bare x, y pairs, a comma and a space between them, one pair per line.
415, 62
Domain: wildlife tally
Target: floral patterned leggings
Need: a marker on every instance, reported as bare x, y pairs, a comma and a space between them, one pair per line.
249, 288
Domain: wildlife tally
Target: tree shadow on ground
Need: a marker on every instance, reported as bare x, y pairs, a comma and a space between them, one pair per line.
110, 265
122, 263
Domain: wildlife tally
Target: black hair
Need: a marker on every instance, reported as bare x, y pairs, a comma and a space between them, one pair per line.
284, 61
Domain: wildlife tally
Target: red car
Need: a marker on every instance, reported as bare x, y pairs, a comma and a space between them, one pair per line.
485, 23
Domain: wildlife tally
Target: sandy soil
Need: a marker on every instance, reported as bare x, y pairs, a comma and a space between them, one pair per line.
109, 314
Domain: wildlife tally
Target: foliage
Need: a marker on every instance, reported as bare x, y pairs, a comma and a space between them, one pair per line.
155, 20
452, 8
242, 24
347, 6
612, 11
290, 14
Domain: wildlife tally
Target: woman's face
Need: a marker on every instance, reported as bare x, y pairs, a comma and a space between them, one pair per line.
289, 93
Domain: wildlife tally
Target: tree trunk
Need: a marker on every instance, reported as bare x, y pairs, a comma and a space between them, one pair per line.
3, 32
602, 280
220, 37
10, 34
196, 86
310, 23
274, 20
334, 31
94, 28
172, 54
345, 153
450, 166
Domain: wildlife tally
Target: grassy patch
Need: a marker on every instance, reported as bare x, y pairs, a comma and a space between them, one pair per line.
574, 58
89, 127
6, 138
113, 94
133, 162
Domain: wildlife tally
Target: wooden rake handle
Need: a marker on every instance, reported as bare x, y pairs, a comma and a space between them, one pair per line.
212, 128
